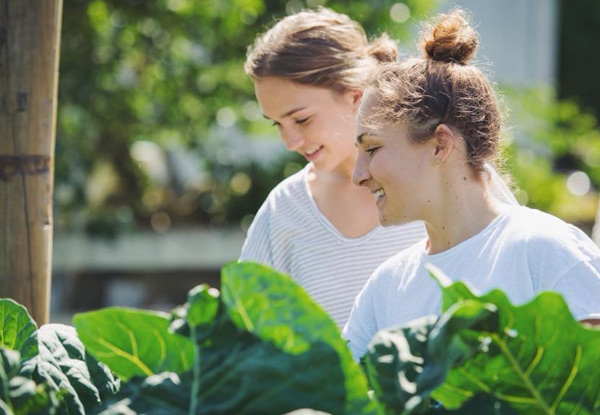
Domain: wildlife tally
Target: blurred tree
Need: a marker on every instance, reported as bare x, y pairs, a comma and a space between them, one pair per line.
149, 89
555, 154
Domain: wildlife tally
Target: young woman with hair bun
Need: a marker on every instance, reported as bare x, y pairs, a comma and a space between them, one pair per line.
309, 71
428, 131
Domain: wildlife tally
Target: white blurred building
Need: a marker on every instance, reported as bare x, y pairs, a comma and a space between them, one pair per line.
518, 39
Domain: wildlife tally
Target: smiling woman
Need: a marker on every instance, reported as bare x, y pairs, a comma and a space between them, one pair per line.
427, 130
309, 71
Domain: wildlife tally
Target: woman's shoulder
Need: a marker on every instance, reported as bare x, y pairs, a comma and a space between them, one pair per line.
292, 186
288, 194
543, 231
538, 225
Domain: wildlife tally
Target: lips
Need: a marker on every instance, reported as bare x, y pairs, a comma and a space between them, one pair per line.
313, 153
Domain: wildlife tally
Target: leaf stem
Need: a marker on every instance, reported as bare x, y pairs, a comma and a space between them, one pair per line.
530, 386
570, 379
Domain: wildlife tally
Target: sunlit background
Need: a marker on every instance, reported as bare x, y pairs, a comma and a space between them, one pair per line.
163, 156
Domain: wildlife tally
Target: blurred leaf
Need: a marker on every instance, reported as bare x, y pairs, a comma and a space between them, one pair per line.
133, 343
18, 331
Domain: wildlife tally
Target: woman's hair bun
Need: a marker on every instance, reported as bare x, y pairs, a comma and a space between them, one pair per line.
383, 49
451, 39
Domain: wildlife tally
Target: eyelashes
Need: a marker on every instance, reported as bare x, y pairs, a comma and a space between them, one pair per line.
371, 151
300, 121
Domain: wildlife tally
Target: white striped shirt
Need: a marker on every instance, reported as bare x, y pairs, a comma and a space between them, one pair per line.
291, 235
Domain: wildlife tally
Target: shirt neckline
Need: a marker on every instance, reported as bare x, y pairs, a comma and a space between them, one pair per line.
325, 222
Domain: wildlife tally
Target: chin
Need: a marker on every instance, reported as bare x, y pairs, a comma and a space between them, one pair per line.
321, 165
386, 221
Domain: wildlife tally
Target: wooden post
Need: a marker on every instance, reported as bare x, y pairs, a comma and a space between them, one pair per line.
29, 51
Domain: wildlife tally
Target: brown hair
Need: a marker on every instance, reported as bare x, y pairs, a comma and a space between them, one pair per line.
442, 88
319, 48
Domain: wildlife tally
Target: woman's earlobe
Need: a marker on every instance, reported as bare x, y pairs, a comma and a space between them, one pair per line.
444, 139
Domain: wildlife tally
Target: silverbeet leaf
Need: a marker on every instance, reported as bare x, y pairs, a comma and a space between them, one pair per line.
261, 347
17, 329
64, 365
133, 342
539, 359
201, 313
251, 378
530, 359
273, 307
25, 387
20, 395
404, 367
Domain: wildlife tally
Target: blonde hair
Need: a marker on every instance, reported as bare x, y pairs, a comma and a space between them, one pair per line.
319, 48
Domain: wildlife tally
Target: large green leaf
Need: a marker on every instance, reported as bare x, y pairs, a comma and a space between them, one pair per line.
134, 343
253, 377
262, 348
65, 366
276, 309
17, 329
539, 360
535, 357
404, 368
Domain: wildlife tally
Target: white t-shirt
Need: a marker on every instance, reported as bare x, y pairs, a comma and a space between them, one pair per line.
290, 234
522, 252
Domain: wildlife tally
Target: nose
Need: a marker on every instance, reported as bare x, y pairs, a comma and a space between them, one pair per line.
292, 138
361, 175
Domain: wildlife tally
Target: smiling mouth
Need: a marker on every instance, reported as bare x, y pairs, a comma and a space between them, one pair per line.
313, 151
379, 194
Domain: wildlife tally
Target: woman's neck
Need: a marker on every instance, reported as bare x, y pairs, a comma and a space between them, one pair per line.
463, 210
350, 209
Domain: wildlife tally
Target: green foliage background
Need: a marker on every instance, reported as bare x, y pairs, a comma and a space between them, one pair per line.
166, 77
160, 71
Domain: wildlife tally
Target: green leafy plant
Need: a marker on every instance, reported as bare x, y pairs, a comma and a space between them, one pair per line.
47, 371
262, 346
532, 359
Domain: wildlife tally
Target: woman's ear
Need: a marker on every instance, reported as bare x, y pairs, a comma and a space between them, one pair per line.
444, 141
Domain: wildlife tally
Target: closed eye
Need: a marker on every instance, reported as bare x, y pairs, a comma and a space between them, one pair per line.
371, 150
302, 120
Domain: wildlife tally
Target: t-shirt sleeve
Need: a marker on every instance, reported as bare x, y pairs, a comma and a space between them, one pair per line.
580, 287
362, 325
570, 265
258, 245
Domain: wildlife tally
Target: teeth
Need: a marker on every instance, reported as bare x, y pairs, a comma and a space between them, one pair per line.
379, 193
312, 151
